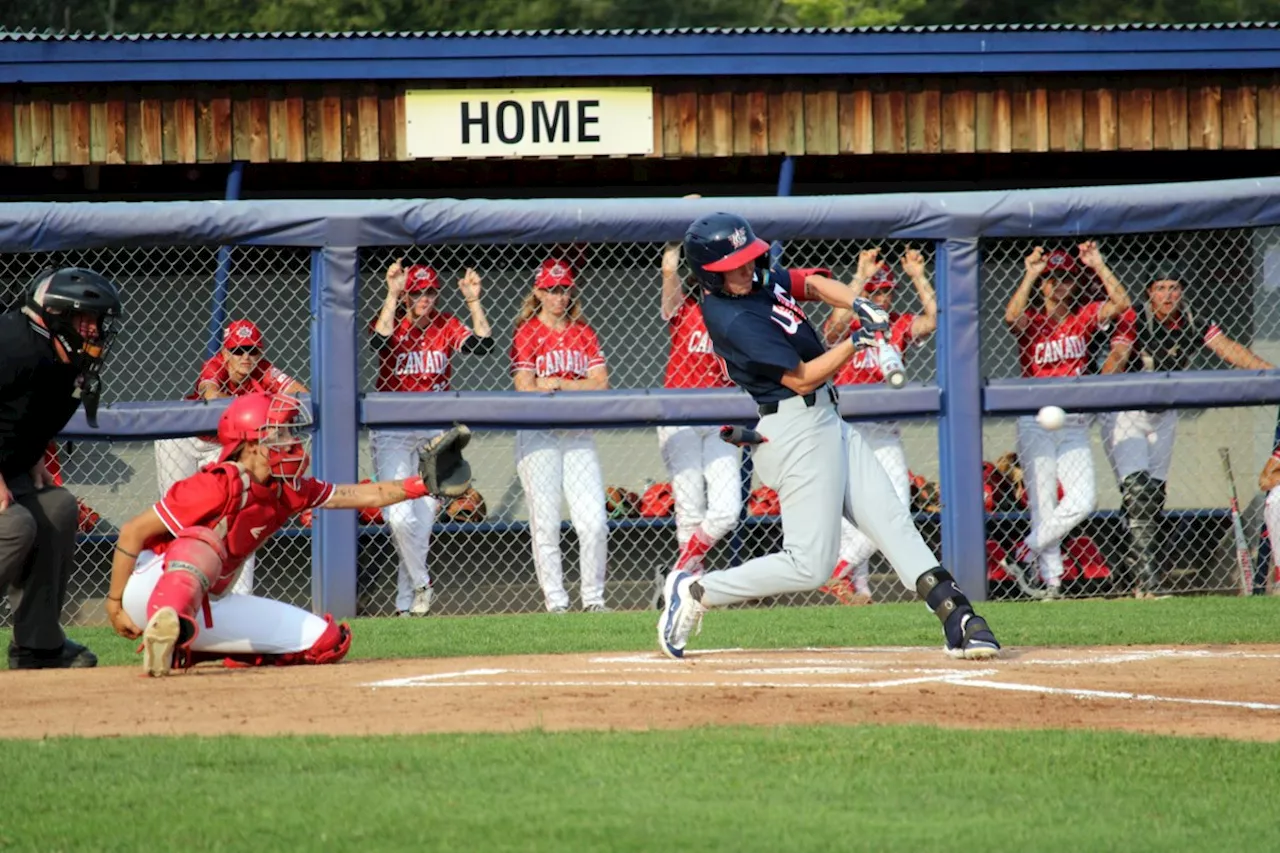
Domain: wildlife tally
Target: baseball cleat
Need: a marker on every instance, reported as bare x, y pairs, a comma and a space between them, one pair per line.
976, 642
421, 601
682, 614
159, 641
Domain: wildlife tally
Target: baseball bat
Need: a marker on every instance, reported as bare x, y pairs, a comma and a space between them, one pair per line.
1244, 562
741, 436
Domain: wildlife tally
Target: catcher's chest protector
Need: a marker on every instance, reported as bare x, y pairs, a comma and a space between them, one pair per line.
250, 515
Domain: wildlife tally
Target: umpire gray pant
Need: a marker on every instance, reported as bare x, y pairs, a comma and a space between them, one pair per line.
37, 551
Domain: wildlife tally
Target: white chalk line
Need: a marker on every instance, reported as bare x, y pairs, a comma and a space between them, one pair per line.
732, 668
1113, 694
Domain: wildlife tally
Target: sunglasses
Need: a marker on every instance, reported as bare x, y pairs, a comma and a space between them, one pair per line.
244, 351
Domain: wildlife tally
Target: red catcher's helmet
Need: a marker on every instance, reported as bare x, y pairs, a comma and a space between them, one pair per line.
276, 421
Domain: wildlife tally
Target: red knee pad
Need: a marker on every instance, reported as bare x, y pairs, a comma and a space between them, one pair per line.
331, 647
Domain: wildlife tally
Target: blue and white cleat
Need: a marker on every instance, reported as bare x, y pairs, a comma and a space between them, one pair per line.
682, 613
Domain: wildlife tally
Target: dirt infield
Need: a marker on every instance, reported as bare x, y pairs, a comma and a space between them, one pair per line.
1221, 691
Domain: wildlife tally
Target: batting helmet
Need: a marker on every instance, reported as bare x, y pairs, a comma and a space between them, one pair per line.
278, 423
719, 242
56, 297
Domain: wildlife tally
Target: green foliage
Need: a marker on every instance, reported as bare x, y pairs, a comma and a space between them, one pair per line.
229, 16
711, 789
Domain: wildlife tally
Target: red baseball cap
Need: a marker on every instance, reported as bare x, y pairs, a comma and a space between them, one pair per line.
420, 277
243, 333
554, 273
1060, 260
882, 280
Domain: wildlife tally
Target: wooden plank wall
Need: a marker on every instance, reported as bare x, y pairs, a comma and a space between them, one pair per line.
362, 122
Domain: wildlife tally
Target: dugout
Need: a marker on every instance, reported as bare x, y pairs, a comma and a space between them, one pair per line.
732, 112
295, 116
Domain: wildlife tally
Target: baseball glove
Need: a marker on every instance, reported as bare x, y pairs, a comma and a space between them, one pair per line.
441, 465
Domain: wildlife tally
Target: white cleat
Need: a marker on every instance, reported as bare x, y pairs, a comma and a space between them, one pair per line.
159, 641
421, 601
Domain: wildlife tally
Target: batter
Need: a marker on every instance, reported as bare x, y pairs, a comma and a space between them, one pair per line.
820, 466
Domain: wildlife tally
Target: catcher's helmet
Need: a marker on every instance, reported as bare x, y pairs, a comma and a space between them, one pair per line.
723, 241
58, 297
277, 422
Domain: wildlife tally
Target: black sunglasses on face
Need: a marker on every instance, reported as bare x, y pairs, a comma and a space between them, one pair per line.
244, 351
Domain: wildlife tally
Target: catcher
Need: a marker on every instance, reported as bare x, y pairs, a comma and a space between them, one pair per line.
175, 562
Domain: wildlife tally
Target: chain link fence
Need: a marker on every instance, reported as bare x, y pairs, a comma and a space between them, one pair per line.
1127, 503
480, 555
601, 476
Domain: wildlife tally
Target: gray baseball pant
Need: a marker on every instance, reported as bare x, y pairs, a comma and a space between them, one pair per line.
37, 552
821, 468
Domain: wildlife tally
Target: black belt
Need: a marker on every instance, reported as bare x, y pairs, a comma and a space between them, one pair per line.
809, 400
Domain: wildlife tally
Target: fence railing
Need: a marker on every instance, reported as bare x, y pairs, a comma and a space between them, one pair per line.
312, 276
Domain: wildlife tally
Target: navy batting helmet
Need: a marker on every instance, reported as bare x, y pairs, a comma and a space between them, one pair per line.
720, 242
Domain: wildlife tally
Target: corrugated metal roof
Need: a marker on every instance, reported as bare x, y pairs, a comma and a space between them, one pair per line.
50, 58
6, 35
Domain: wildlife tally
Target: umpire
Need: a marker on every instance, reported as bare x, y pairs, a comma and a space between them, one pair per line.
51, 353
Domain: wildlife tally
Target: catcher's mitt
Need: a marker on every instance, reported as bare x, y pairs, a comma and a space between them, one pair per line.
469, 507
441, 465
621, 503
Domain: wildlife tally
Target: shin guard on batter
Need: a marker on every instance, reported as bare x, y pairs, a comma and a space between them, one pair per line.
192, 565
967, 634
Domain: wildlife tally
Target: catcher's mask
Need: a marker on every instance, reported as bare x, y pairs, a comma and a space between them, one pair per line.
279, 423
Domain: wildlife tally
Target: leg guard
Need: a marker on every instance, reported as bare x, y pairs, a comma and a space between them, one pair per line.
192, 565
1143, 501
967, 634
331, 647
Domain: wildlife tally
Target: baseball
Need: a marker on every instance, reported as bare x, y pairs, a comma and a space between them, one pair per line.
1051, 417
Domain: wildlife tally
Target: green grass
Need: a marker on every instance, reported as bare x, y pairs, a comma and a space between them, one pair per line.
1069, 623
736, 789
782, 789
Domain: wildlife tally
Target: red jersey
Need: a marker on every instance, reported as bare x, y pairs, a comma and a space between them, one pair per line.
566, 353
864, 367
242, 512
418, 359
1062, 350
264, 377
693, 362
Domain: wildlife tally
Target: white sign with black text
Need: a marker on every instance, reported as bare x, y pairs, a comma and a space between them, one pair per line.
528, 122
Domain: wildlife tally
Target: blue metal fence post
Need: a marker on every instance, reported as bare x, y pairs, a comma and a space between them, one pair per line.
336, 381
964, 551
786, 174
221, 273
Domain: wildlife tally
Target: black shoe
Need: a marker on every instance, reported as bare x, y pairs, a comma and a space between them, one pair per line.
72, 655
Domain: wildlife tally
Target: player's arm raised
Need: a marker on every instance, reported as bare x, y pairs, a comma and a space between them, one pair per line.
926, 322
386, 322
1117, 298
470, 284
1015, 313
672, 292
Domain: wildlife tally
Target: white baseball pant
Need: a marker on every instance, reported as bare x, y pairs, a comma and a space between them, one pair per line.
706, 480
555, 465
1139, 441
395, 457
1050, 457
885, 441
1271, 513
179, 458
241, 623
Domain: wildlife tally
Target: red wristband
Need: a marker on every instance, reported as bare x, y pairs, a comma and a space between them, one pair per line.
414, 487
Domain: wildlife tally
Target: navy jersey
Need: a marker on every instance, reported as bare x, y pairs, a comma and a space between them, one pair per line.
761, 336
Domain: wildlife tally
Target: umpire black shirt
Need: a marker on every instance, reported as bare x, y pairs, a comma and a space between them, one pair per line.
36, 394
